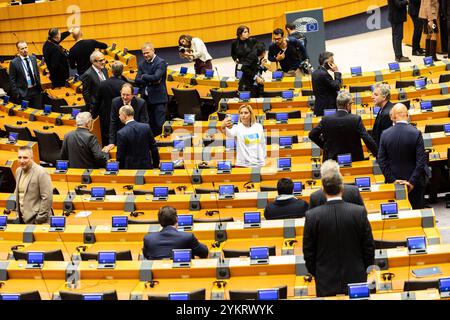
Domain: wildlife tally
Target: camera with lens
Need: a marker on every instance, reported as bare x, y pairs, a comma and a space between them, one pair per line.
181, 49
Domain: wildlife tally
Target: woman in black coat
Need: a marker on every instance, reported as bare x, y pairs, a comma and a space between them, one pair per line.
241, 47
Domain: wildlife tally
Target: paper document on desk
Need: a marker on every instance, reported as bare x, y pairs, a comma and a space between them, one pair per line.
426, 272
83, 214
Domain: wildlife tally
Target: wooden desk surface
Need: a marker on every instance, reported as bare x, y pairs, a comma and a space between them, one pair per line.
166, 286
430, 294
123, 287
45, 287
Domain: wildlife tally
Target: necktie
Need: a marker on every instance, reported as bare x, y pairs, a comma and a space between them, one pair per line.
101, 75
30, 74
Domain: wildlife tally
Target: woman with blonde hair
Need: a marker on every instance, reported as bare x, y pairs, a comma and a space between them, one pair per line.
250, 138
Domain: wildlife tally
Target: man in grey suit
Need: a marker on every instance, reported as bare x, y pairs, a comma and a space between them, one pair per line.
34, 188
81, 147
25, 78
91, 79
338, 245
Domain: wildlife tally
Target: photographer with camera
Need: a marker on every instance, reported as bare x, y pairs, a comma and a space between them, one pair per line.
56, 57
194, 49
429, 10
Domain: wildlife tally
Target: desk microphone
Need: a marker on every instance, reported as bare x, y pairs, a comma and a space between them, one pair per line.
38, 51
218, 212
218, 76
409, 267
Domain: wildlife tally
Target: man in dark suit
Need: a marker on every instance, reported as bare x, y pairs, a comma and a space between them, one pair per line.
350, 194
152, 76
135, 142
81, 147
402, 156
159, 245
108, 90
338, 245
413, 10
397, 16
326, 82
80, 53
342, 132
56, 57
25, 78
286, 205
381, 98
127, 98
252, 69
91, 79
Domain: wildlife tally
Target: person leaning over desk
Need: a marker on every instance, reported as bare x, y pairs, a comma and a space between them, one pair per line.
250, 138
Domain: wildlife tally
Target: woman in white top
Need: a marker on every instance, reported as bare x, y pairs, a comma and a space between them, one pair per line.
250, 138
195, 50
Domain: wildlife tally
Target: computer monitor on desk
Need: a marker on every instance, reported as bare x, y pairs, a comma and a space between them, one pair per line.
185, 222
106, 260
363, 183
61, 166
287, 95
358, 291
209, 73
426, 106
179, 296
416, 245
166, 168
189, 119
389, 210
5, 100
24, 105
178, 145
12, 138
420, 83
35, 260
244, 96
259, 255
183, 71
284, 164
47, 110
298, 188
252, 219
394, 67
181, 258
226, 192
345, 160
277, 75
92, 297
285, 143
112, 168
160, 193
356, 71
98, 194
119, 223
223, 167
447, 129
282, 117
268, 294
3, 222
74, 114
444, 287
57, 224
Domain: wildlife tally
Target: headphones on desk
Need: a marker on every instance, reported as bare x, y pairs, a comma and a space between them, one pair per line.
7, 211
151, 283
135, 214
387, 276
249, 185
81, 248
210, 213
220, 284
290, 242
17, 247
68, 212
308, 277
216, 244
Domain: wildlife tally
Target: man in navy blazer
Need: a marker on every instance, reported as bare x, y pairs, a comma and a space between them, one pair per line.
135, 142
91, 80
402, 156
127, 98
25, 78
152, 77
159, 245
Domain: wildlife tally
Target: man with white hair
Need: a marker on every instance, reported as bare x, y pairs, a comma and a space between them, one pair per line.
81, 147
81, 51
338, 245
381, 97
91, 79
342, 132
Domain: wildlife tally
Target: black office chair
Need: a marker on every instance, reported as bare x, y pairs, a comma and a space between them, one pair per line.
188, 102
68, 295
49, 147
79, 190
232, 253
434, 128
24, 132
7, 180
444, 78
291, 114
28, 295
365, 88
440, 102
65, 109
199, 294
404, 83
218, 94
54, 255
5, 81
413, 285
271, 94
206, 220
268, 188
385, 244
307, 92
407, 103
120, 255
253, 294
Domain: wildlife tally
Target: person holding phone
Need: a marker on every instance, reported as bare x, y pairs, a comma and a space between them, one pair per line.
326, 82
250, 138
429, 10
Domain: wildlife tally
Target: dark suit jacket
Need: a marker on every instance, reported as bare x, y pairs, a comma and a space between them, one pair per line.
107, 91
402, 154
152, 76
397, 11
251, 66
140, 115
159, 245
382, 122
286, 209
338, 246
57, 61
414, 7
325, 89
342, 133
82, 150
19, 84
351, 194
80, 54
91, 84
135, 141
